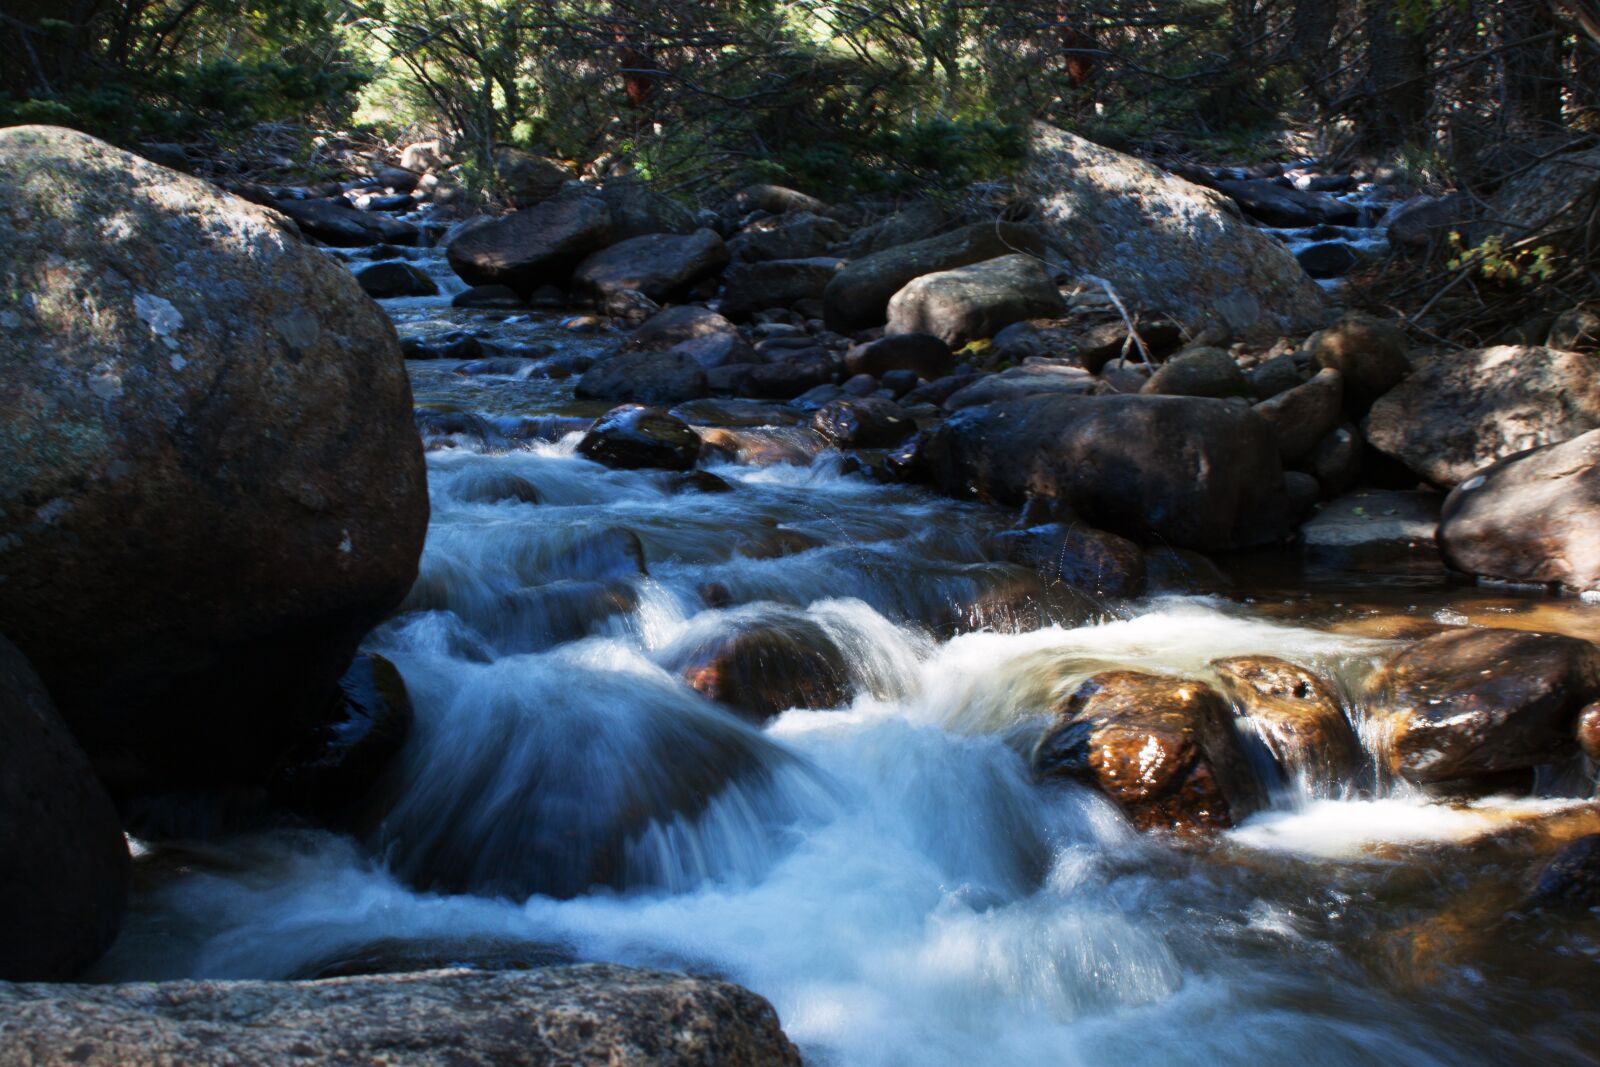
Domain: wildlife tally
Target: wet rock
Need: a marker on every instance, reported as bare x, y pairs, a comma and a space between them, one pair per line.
591, 1013
1328, 259
395, 955
1302, 416
1191, 472
337, 223
1374, 525
1199, 372
1458, 412
763, 448
631, 436
536, 246
863, 422
1284, 206
775, 283
1472, 703
1297, 716
1336, 460
858, 296
338, 765
489, 297
1165, 244
64, 867
1532, 517
940, 389
767, 667
390, 279
1179, 570
1161, 748
701, 482
900, 382
457, 344
1094, 561
674, 326
923, 354
658, 265
1369, 353
975, 302
1019, 383
1589, 731
1576, 330
798, 235
669, 377
188, 507
773, 381
491, 485
1571, 879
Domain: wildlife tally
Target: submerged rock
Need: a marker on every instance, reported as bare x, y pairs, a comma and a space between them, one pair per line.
1532, 517
1473, 703
1458, 412
1296, 715
1162, 748
1164, 243
213, 486
633, 436
64, 868
767, 667
593, 1013
1571, 879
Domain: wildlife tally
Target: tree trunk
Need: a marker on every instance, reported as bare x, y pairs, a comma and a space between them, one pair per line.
1396, 81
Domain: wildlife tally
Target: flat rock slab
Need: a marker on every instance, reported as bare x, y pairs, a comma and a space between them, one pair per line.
591, 1014
1381, 519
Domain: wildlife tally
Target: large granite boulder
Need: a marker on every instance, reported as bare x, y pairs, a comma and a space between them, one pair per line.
1185, 471
213, 486
1532, 517
1162, 748
1471, 704
1458, 412
858, 296
63, 860
536, 246
1530, 198
1165, 244
657, 265
587, 1014
975, 302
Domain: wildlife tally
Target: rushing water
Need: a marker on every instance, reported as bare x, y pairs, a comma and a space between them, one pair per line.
885, 872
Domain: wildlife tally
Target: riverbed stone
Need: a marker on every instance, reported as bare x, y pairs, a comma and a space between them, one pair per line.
1569, 880
858, 296
1094, 561
1162, 748
538, 245
1186, 471
1202, 371
1474, 703
213, 485
1532, 517
659, 265
1304, 415
1030, 380
797, 235
1296, 714
584, 1014
767, 667
1369, 354
923, 354
336, 222
975, 302
393, 278
64, 868
1163, 243
863, 422
669, 377
634, 436
775, 283
1458, 412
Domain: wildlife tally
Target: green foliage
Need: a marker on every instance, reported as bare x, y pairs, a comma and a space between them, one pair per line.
1493, 260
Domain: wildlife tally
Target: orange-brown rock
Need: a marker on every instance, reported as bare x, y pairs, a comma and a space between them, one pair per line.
1296, 714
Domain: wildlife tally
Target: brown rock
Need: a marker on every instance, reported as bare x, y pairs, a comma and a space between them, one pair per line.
863, 422
1302, 416
1162, 748
1094, 561
536, 246
213, 486
768, 667
925, 355
1296, 715
594, 1013
1472, 703
1199, 372
1369, 354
